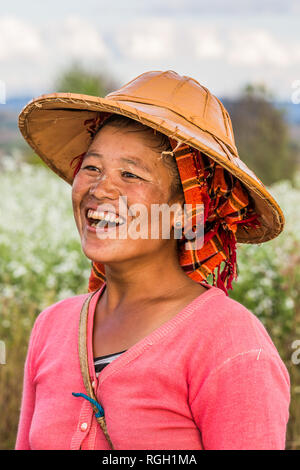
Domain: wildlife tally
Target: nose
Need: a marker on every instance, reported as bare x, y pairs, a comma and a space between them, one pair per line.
104, 186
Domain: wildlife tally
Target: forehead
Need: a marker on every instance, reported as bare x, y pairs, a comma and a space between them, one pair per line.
127, 146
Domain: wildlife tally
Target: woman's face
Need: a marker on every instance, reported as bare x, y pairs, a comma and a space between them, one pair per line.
121, 169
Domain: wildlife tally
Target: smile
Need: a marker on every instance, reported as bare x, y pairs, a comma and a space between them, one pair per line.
103, 220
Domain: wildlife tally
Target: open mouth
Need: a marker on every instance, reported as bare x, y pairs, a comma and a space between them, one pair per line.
103, 220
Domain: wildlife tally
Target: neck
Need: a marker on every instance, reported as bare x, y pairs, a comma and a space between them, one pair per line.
144, 280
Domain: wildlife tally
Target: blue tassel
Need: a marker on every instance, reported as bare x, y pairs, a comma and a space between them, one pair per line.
100, 413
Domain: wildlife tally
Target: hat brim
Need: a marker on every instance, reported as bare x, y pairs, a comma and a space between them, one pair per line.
53, 125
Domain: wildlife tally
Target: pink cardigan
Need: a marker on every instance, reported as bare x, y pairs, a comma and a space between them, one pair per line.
209, 378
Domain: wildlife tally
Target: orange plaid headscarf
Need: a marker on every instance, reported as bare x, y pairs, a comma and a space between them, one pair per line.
226, 203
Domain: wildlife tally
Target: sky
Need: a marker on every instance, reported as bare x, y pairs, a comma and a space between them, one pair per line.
222, 44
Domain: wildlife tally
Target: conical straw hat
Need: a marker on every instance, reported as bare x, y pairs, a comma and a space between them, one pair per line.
177, 106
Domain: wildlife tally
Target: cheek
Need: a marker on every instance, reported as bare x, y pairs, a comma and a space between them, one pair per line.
78, 189
148, 193
151, 196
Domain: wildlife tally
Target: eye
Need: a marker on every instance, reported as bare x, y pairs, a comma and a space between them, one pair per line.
131, 175
90, 167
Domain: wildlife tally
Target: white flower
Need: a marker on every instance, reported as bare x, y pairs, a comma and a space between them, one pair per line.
289, 303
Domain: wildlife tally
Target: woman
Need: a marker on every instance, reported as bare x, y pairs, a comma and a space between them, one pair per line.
170, 360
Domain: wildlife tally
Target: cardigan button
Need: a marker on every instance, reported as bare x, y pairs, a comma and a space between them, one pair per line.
93, 384
84, 426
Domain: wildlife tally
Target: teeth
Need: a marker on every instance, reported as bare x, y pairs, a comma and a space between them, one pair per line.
108, 217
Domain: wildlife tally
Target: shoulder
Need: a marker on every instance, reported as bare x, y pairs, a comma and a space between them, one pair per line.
221, 313
64, 305
225, 328
59, 314
229, 341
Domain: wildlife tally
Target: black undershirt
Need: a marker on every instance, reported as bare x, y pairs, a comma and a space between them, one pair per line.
102, 361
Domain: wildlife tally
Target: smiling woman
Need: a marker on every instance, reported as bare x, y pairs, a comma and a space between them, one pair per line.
166, 360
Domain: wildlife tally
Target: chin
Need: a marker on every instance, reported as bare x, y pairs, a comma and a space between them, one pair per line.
110, 251
105, 251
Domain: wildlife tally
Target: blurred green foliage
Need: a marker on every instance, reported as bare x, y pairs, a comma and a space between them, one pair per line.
262, 135
78, 79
